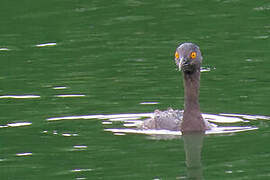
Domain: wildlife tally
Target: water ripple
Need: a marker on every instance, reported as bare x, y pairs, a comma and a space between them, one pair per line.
19, 96
4, 49
150, 103
69, 95
18, 124
24, 154
215, 130
59, 87
132, 121
46, 44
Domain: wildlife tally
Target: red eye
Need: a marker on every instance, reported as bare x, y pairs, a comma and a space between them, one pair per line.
193, 55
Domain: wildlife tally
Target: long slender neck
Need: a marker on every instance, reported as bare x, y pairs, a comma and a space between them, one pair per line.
192, 118
192, 86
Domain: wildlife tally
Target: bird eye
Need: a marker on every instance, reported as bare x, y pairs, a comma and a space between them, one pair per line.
193, 55
176, 55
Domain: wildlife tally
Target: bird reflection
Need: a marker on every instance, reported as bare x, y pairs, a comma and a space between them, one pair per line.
193, 143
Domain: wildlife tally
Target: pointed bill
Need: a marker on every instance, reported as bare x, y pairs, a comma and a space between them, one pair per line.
180, 63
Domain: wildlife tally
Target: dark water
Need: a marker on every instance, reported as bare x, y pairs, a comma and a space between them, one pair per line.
115, 55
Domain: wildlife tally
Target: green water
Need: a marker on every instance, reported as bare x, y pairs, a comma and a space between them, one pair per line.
119, 54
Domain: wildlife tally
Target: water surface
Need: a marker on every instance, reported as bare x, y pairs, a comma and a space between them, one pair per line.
83, 58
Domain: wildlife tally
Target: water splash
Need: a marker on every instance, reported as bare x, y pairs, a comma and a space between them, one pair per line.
131, 122
206, 69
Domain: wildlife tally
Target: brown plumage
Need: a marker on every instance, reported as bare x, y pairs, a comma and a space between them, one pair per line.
188, 59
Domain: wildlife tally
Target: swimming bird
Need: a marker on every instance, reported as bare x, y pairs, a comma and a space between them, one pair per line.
188, 59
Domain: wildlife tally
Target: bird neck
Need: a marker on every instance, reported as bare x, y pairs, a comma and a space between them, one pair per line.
192, 86
192, 118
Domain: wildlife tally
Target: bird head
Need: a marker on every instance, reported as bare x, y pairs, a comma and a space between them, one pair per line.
188, 57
